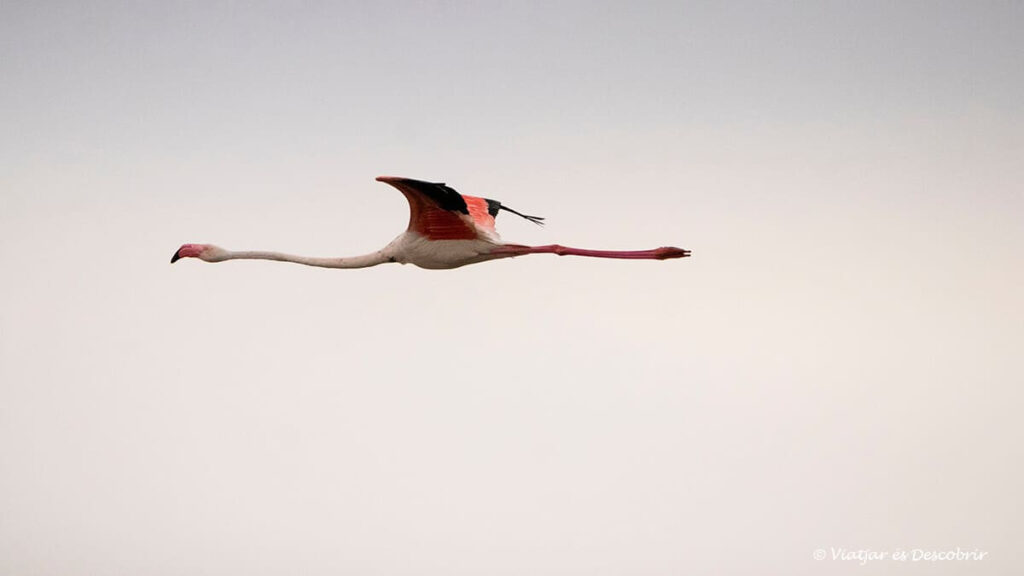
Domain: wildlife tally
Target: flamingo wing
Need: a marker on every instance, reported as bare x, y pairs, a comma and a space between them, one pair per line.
438, 212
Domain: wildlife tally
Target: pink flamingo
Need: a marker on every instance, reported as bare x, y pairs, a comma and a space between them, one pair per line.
446, 230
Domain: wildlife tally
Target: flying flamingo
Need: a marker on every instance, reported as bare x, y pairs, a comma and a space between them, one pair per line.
446, 230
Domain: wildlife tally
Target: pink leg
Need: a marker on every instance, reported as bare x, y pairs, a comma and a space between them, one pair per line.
663, 253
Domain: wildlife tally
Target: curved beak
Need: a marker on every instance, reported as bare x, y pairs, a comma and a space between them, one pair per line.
177, 256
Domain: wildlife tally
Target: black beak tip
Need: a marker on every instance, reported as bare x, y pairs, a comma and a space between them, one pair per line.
177, 256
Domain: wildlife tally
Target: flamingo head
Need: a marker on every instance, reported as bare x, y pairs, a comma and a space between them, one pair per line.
205, 252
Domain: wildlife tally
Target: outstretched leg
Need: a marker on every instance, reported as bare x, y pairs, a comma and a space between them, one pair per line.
663, 253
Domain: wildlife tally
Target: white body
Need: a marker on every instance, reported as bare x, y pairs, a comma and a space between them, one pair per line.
412, 248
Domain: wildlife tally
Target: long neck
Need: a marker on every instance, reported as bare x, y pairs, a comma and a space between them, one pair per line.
364, 261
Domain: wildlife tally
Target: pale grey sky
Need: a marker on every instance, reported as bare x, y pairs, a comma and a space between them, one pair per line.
838, 366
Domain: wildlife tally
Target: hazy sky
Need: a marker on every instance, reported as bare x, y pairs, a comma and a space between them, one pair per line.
838, 366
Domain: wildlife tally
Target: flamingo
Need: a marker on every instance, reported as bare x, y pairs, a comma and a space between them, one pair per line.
446, 230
